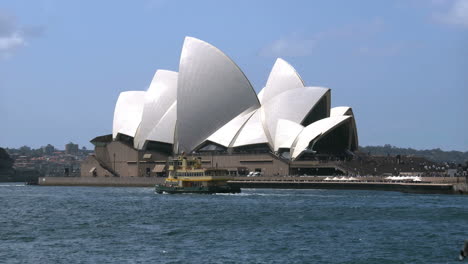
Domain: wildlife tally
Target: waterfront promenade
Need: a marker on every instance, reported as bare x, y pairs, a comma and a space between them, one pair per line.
448, 185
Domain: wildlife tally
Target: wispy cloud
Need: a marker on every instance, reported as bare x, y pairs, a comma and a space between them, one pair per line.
293, 45
13, 35
388, 49
302, 45
456, 12
155, 4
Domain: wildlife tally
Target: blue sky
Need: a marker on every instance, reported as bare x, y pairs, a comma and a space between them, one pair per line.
401, 65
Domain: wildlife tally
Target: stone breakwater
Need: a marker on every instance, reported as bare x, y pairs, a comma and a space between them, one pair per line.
461, 188
428, 185
101, 181
444, 185
377, 186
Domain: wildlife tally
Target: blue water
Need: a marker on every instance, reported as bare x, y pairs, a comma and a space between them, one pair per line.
134, 225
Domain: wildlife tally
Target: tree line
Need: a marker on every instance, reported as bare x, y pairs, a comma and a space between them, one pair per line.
436, 155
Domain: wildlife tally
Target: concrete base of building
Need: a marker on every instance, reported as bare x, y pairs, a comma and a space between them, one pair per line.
461, 188
365, 183
101, 181
374, 186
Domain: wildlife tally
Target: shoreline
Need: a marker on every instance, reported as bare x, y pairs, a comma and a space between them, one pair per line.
367, 183
425, 188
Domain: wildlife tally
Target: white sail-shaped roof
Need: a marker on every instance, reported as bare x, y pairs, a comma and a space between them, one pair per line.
252, 132
346, 110
211, 100
292, 105
260, 95
161, 94
128, 112
282, 77
286, 133
163, 131
341, 110
211, 91
226, 134
315, 131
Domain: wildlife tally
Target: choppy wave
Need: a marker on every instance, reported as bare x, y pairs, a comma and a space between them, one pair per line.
134, 225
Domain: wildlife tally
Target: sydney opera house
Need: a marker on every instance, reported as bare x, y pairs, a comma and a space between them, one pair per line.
210, 109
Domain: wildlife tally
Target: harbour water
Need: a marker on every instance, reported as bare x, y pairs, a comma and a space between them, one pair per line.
133, 225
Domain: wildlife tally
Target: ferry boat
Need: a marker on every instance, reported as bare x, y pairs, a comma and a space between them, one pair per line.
188, 176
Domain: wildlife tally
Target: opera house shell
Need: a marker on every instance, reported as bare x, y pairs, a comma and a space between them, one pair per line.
209, 106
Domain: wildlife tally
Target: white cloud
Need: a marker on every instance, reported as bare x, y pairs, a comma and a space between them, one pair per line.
14, 36
302, 45
10, 35
11, 42
155, 4
391, 49
289, 46
457, 13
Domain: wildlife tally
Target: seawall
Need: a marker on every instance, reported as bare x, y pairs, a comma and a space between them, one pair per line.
101, 181
461, 188
378, 186
443, 185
